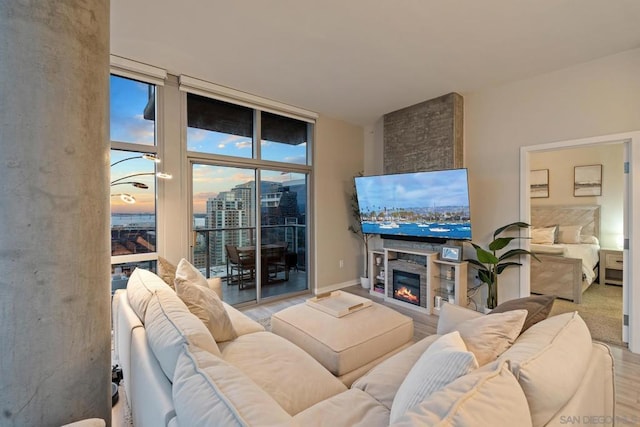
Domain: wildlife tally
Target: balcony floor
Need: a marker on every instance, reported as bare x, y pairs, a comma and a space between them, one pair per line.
232, 294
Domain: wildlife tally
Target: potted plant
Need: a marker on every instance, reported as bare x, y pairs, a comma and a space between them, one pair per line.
490, 264
356, 228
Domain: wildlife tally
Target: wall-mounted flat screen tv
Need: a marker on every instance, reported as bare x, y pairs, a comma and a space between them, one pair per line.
422, 205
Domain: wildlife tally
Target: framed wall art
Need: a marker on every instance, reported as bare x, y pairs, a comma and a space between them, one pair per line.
539, 180
587, 181
451, 253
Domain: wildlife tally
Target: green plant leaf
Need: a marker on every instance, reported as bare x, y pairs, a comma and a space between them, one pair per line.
501, 267
514, 253
500, 243
484, 276
478, 264
484, 256
518, 224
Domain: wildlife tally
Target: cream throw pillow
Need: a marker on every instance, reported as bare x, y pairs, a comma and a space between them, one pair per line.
166, 271
487, 337
215, 283
543, 236
569, 234
140, 288
186, 272
550, 360
452, 315
444, 361
194, 291
207, 391
489, 396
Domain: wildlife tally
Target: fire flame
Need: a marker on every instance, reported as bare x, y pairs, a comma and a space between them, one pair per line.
406, 294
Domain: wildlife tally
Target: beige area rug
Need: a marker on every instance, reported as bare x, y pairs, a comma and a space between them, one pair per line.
601, 310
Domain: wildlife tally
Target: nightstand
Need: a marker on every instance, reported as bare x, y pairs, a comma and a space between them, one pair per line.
611, 265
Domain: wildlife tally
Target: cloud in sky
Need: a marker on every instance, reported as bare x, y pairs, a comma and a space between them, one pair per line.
205, 141
133, 129
214, 179
145, 202
196, 135
244, 144
441, 188
301, 159
200, 201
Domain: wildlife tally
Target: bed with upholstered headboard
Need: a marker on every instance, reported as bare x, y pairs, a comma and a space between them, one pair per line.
566, 240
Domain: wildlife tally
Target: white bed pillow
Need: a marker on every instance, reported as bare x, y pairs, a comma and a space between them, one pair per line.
569, 234
543, 236
589, 240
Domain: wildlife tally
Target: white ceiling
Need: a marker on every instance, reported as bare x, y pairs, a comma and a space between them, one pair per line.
359, 59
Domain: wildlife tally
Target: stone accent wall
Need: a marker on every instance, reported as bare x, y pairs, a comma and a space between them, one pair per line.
425, 136
415, 267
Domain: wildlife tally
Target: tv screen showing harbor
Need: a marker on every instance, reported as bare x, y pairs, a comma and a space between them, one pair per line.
432, 204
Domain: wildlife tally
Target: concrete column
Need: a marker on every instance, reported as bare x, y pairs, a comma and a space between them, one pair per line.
54, 212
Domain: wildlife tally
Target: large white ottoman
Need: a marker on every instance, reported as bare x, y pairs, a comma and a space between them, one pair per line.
348, 346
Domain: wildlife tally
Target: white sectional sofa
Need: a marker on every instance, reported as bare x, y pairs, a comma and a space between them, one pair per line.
176, 374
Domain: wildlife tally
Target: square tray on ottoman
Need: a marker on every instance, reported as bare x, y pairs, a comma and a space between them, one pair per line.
350, 345
338, 303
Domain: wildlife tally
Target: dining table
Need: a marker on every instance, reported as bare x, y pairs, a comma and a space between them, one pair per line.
272, 258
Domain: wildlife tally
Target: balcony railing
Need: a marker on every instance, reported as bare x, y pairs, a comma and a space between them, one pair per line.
209, 253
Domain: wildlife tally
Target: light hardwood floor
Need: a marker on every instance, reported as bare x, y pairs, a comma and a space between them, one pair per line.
627, 364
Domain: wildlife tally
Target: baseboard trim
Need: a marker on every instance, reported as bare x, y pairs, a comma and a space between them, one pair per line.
336, 286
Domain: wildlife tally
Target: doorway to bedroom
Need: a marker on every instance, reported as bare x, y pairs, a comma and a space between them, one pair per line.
577, 211
589, 173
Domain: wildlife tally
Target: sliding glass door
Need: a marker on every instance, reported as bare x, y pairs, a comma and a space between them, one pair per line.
283, 231
250, 172
268, 262
224, 231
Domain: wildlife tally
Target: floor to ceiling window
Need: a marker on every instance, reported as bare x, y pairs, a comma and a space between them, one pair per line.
134, 173
237, 184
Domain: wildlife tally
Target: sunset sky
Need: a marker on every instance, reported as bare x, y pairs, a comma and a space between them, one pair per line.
128, 99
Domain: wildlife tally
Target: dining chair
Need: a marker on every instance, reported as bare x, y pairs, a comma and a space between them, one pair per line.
240, 263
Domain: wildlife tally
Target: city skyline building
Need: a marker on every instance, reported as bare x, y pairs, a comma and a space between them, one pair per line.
230, 220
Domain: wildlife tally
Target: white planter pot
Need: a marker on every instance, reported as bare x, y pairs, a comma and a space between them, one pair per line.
365, 282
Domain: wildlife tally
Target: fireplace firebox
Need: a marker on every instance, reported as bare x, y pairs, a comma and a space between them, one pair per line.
406, 286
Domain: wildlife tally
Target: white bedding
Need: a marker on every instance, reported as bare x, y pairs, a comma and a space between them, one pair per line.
589, 253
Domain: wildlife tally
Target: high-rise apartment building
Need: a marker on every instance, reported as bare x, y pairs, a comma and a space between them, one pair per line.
231, 212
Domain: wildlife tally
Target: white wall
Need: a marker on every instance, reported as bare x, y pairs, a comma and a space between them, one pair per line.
339, 148
560, 164
595, 98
